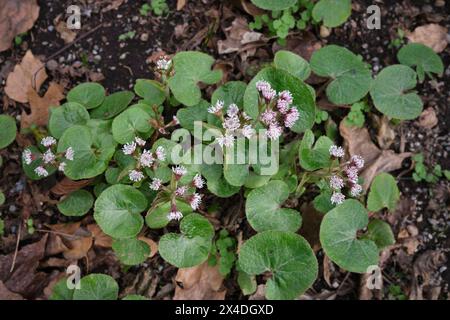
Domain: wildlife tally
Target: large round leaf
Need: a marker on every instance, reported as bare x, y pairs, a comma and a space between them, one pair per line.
332, 12
191, 68
274, 4
157, 217
117, 211
338, 235
292, 63
287, 256
8, 130
282, 80
264, 212
351, 79
422, 57
131, 251
390, 93
192, 246
66, 116
91, 157
89, 94
76, 204
113, 105
383, 193
97, 287
130, 122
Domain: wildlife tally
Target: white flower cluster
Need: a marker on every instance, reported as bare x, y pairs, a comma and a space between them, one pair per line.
49, 158
279, 112
234, 122
163, 64
349, 177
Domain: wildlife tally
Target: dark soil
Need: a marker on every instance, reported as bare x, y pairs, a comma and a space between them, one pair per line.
117, 64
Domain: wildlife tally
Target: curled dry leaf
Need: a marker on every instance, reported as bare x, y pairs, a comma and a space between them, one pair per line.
202, 282
16, 17
66, 186
152, 244
428, 118
358, 142
181, 4
386, 134
29, 72
40, 105
76, 239
100, 238
68, 35
431, 35
239, 38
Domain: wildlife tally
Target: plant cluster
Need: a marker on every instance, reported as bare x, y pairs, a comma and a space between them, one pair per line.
287, 15
144, 173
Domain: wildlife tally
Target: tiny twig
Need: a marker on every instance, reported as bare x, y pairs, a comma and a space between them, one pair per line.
342, 283
17, 248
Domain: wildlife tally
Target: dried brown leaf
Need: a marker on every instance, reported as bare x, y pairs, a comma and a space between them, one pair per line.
238, 36
152, 244
16, 17
431, 35
19, 82
77, 240
68, 35
6, 294
66, 186
202, 282
428, 118
101, 239
181, 4
40, 105
386, 134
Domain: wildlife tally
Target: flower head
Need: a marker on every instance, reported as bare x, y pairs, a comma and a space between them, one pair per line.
27, 156
337, 198
179, 171
175, 120
48, 141
286, 96
195, 201
62, 166
48, 156
160, 153
232, 110
226, 140
352, 174
268, 117
140, 142
356, 190
266, 90
146, 159
291, 117
274, 131
248, 131
217, 107
155, 184
231, 123
129, 148
336, 183
198, 181
336, 151
283, 106
163, 64
180, 191
69, 154
175, 215
357, 161
41, 171
135, 175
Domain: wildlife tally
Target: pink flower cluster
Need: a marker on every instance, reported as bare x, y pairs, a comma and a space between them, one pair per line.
49, 158
234, 122
347, 177
279, 113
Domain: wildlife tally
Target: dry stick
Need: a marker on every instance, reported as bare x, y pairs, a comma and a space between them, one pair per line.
17, 248
62, 50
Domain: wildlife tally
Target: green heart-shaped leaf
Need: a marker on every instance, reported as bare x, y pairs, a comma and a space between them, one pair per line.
157, 217
332, 12
187, 116
192, 246
89, 94
66, 116
97, 287
8, 130
76, 204
338, 235
117, 211
282, 80
381, 233
317, 157
287, 256
191, 68
274, 4
264, 212
128, 124
151, 91
383, 193
351, 79
61, 291
292, 63
131, 251
422, 57
390, 93
91, 157
113, 105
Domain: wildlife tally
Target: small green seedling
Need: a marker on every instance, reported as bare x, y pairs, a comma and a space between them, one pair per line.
127, 35
422, 173
356, 117
159, 7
